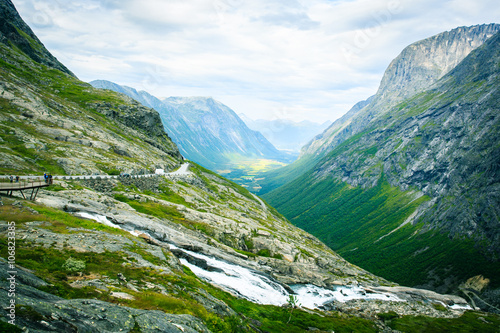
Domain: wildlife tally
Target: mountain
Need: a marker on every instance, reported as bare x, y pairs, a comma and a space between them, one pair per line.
141, 96
213, 132
16, 33
409, 189
286, 134
56, 123
417, 67
188, 251
206, 131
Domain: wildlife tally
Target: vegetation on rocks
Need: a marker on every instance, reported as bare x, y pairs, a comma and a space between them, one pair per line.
176, 292
411, 182
125, 273
52, 122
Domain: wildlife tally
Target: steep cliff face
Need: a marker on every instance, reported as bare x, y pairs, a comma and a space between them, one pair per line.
414, 70
424, 168
417, 67
15, 32
206, 131
422, 63
443, 142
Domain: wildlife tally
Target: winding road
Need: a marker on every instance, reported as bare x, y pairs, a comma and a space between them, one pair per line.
183, 171
264, 207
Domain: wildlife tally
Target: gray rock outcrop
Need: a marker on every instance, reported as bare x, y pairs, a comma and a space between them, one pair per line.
55, 314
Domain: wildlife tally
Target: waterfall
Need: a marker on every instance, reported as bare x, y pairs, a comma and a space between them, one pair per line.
256, 286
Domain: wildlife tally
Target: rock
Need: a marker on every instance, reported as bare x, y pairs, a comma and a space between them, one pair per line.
121, 295
264, 233
421, 295
17, 32
477, 283
121, 151
149, 239
211, 126
212, 304
195, 261
121, 277
77, 315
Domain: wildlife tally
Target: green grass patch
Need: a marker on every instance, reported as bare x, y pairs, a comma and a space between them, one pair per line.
357, 223
169, 195
165, 212
249, 254
61, 221
469, 322
199, 170
55, 188
6, 327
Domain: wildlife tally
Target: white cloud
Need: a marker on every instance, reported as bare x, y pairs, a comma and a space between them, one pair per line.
300, 59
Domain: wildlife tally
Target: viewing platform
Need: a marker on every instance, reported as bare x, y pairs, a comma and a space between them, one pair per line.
21, 186
34, 183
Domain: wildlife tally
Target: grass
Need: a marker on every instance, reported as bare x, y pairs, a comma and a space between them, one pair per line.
60, 222
469, 322
48, 263
6, 327
152, 208
200, 171
170, 213
169, 195
356, 223
247, 173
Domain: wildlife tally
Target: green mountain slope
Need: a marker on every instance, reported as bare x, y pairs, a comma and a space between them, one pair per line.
414, 196
16, 33
129, 272
309, 157
51, 121
417, 67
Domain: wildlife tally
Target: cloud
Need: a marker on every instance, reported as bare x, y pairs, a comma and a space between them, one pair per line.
314, 59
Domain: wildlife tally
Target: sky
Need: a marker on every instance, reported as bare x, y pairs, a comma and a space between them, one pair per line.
269, 59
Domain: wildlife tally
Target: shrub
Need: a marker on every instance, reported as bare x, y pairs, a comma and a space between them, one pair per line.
264, 253
74, 265
387, 315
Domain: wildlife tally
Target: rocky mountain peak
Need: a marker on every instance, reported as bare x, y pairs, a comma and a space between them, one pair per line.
414, 70
202, 106
14, 31
424, 62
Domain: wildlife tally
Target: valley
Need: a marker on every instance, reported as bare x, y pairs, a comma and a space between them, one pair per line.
389, 224
409, 178
212, 135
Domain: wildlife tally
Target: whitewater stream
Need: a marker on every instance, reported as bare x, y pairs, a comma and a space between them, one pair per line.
258, 287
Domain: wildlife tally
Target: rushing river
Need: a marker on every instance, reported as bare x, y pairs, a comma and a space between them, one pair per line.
256, 286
